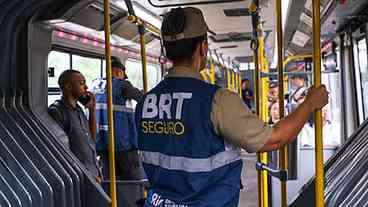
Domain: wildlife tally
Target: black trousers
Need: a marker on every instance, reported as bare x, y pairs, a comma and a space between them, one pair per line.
127, 165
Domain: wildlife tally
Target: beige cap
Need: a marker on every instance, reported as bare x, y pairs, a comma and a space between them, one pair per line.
195, 25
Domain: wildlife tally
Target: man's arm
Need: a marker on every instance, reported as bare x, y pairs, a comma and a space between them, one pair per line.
287, 129
130, 92
233, 120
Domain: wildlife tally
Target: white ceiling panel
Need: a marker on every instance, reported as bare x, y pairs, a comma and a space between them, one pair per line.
219, 23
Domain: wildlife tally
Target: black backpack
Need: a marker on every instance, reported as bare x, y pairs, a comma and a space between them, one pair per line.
62, 110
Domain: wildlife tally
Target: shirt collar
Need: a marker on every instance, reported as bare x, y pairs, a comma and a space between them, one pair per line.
67, 105
183, 72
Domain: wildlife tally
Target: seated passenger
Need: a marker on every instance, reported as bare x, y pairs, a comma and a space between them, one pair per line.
189, 131
71, 118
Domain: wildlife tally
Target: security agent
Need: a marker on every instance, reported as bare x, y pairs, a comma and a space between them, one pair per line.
189, 130
71, 118
127, 163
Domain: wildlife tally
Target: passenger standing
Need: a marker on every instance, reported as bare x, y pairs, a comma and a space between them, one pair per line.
274, 113
299, 90
189, 131
273, 93
123, 92
247, 93
71, 118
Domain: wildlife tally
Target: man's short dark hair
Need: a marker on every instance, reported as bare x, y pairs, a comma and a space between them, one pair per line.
65, 77
182, 49
115, 63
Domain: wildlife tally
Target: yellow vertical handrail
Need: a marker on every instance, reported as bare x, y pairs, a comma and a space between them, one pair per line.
240, 86
257, 110
319, 187
205, 76
109, 105
263, 112
142, 41
228, 79
283, 152
231, 80
253, 8
212, 71
237, 83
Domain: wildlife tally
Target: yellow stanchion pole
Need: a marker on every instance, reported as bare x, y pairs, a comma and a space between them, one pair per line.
231, 80
142, 41
212, 72
319, 187
240, 86
143, 55
109, 105
263, 113
228, 79
258, 53
257, 110
283, 152
205, 76
237, 83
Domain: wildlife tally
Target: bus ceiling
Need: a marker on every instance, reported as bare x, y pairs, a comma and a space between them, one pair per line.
228, 19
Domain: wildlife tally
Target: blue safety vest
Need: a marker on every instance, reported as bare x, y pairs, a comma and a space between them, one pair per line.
186, 162
124, 124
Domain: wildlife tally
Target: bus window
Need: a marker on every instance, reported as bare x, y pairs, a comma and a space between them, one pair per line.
331, 113
103, 69
134, 73
360, 51
60, 61
89, 67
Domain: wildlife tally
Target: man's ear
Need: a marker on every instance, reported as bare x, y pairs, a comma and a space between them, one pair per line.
68, 86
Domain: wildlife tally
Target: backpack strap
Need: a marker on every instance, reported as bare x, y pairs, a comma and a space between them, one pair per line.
64, 114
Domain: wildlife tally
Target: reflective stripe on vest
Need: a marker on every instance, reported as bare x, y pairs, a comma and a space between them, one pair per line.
190, 164
120, 108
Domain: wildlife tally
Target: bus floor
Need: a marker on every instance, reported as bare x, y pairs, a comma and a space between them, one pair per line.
249, 193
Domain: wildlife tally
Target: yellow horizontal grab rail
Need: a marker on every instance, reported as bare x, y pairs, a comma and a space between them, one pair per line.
295, 58
149, 27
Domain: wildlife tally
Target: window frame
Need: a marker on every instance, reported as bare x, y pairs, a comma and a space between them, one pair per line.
358, 77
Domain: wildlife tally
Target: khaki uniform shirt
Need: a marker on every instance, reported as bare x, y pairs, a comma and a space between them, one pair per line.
231, 118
